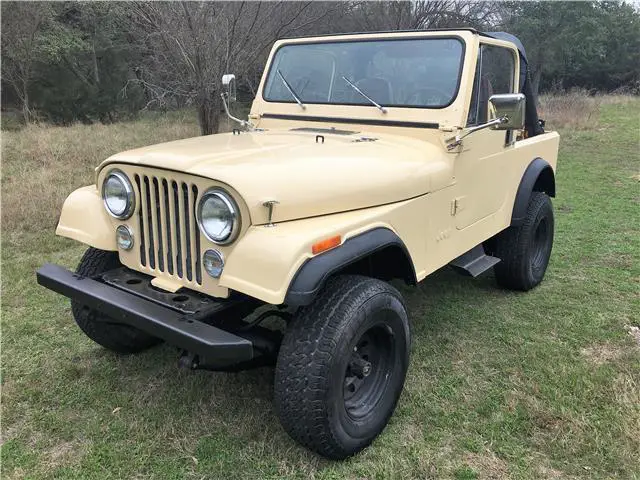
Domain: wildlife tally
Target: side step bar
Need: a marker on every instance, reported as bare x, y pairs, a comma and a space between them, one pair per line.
217, 346
474, 262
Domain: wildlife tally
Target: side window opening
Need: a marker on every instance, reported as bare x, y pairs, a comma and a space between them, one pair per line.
494, 74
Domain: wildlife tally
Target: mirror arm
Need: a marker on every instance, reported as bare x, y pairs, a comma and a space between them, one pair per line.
244, 123
457, 140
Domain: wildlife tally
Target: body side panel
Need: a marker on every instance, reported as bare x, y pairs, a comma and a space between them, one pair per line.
486, 183
444, 240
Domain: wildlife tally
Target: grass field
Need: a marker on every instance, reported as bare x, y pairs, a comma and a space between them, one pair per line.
538, 385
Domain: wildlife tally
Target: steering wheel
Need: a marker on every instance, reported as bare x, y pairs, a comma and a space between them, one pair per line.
427, 96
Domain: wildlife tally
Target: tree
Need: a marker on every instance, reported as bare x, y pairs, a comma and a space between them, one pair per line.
419, 15
90, 61
24, 31
590, 44
69, 60
190, 45
96, 66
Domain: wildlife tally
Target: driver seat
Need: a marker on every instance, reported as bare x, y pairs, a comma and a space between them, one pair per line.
378, 89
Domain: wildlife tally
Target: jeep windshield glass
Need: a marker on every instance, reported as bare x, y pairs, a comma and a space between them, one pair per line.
395, 73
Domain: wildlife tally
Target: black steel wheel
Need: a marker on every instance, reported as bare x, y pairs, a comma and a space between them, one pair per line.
541, 247
368, 371
525, 249
342, 365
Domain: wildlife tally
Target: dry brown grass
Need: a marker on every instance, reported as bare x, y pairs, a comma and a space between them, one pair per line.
41, 165
487, 465
634, 331
576, 109
602, 353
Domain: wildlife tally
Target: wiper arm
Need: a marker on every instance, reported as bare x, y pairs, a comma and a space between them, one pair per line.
373, 102
293, 94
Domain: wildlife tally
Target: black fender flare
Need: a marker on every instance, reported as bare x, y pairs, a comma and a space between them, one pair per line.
312, 275
537, 177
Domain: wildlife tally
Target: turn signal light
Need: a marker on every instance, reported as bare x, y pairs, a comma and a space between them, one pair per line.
326, 244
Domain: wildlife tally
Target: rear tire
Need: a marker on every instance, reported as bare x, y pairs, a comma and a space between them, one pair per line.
525, 249
342, 365
100, 328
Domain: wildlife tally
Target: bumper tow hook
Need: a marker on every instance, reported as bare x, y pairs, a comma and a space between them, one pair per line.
188, 360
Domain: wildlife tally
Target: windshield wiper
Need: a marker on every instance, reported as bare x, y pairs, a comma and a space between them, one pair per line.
293, 94
373, 102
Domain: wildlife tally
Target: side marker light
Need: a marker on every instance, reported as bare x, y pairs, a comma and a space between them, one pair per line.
326, 244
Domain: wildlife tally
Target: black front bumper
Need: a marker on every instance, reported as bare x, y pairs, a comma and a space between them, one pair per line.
184, 330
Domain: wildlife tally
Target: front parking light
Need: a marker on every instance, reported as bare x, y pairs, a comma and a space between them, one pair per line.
124, 237
213, 263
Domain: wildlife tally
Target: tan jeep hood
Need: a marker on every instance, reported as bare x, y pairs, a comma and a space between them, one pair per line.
307, 177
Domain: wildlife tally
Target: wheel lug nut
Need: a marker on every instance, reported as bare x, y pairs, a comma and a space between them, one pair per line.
360, 367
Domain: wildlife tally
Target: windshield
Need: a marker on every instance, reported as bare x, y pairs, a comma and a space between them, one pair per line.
393, 73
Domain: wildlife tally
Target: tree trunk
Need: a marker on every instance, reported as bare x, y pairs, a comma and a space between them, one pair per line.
96, 73
535, 84
209, 114
26, 112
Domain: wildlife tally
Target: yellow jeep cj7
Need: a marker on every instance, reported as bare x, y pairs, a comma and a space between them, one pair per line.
365, 158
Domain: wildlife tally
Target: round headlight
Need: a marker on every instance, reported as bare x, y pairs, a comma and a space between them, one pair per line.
117, 193
218, 216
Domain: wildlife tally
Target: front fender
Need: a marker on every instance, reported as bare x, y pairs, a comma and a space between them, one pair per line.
313, 274
84, 218
265, 260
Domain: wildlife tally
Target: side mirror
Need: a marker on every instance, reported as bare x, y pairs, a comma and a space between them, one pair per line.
229, 82
510, 106
506, 112
228, 96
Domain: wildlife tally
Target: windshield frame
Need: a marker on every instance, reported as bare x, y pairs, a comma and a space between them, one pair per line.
454, 97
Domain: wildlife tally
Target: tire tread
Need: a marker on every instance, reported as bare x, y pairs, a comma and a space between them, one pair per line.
305, 357
512, 247
113, 336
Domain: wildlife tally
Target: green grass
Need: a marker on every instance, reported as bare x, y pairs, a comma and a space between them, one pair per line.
538, 385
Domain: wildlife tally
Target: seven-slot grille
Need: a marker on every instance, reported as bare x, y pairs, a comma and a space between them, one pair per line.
169, 234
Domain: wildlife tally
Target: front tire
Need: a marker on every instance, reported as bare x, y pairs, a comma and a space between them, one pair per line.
525, 249
100, 328
342, 365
